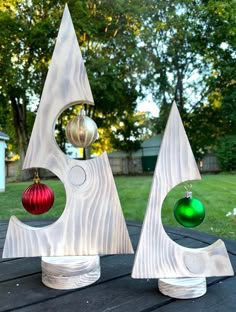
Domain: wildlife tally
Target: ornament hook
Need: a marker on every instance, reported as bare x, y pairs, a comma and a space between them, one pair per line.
188, 188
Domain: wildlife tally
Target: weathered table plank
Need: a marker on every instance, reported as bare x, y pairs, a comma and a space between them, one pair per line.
21, 288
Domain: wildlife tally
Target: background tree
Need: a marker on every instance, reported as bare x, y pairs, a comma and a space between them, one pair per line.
226, 152
130, 131
25, 51
191, 52
29, 29
220, 51
178, 50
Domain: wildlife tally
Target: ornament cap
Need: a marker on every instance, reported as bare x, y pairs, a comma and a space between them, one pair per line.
188, 194
36, 177
82, 112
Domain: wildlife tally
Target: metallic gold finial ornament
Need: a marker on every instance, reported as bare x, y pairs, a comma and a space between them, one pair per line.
81, 131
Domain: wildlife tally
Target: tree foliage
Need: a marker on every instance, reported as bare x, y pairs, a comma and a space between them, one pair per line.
191, 52
105, 31
130, 131
180, 50
25, 51
226, 152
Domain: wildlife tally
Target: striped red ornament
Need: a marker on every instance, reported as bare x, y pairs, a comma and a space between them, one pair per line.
38, 198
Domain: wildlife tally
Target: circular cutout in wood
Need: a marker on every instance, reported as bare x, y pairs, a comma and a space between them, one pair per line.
77, 176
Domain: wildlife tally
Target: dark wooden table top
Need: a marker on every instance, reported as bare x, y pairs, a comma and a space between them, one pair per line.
21, 288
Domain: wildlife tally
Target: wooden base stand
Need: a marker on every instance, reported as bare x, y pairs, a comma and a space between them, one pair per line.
70, 272
183, 288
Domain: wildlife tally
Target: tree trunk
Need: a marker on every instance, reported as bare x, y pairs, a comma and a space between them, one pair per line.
180, 90
19, 119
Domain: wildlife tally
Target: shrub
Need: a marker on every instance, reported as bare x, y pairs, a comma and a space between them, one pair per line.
225, 152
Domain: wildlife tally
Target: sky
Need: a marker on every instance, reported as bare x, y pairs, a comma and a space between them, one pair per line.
148, 105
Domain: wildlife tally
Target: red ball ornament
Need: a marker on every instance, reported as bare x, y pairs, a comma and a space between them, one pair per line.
38, 198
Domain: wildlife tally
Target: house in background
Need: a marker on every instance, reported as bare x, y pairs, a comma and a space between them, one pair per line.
3, 139
144, 160
138, 162
209, 163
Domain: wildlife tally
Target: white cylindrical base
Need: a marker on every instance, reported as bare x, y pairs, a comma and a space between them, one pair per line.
183, 288
70, 272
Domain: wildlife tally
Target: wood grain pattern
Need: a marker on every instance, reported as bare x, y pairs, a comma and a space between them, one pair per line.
115, 290
183, 288
92, 222
70, 272
157, 255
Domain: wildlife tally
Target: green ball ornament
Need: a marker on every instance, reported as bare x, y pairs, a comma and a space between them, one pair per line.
189, 211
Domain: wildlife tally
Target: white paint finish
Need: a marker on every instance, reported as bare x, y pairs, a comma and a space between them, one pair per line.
92, 222
157, 255
70, 272
66, 83
183, 288
77, 176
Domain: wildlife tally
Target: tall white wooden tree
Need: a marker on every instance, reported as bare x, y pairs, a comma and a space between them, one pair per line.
92, 222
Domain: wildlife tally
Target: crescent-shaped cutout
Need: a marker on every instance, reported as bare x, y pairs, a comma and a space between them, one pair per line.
158, 256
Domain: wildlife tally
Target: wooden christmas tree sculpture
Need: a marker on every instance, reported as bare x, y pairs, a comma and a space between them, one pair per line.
92, 222
181, 271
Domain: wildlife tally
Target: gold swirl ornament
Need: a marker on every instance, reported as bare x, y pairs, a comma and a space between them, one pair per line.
81, 131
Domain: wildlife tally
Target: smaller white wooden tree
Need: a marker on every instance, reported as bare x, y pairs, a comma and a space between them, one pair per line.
181, 271
92, 222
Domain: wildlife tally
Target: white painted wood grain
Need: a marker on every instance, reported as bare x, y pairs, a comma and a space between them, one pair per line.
92, 222
183, 288
70, 272
157, 255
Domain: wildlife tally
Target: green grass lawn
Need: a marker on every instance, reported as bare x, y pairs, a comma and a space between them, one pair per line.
217, 193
